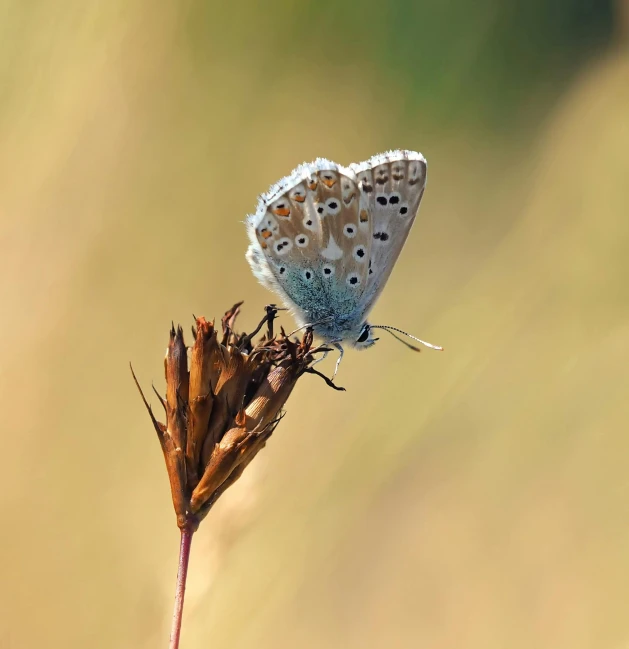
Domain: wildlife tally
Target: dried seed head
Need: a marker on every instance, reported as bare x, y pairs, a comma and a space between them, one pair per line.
221, 411
269, 399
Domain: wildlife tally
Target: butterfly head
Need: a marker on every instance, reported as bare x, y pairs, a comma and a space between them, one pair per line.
365, 338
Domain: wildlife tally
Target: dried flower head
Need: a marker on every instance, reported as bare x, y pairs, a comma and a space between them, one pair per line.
224, 399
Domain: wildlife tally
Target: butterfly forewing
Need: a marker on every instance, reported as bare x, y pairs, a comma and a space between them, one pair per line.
392, 185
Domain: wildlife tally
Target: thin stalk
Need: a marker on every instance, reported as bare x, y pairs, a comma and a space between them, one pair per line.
182, 574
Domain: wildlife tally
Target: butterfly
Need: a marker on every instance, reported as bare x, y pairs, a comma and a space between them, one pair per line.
326, 237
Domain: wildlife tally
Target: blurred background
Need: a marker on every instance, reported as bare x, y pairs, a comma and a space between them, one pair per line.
475, 498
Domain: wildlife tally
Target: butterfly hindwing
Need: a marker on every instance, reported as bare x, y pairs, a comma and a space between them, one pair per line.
308, 242
392, 185
345, 246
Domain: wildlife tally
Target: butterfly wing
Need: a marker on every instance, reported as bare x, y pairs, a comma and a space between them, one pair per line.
392, 185
310, 244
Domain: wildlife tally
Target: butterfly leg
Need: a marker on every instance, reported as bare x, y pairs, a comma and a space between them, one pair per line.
321, 358
338, 362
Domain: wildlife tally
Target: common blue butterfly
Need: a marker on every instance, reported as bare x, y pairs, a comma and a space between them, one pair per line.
326, 238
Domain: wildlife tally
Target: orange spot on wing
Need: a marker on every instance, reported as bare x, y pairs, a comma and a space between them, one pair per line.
299, 198
281, 211
364, 216
312, 184
263, 245
328, 182
266, 233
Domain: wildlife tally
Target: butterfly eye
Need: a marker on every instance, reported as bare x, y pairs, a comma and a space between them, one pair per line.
364, 335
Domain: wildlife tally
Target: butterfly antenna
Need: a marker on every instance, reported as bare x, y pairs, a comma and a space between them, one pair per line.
392, 329
415, 349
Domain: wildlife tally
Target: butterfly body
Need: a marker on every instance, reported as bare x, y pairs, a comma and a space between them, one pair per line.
326, 238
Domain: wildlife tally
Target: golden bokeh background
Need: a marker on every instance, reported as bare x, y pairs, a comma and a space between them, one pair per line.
477, 498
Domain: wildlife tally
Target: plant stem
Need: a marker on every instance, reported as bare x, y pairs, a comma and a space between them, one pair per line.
182, 574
